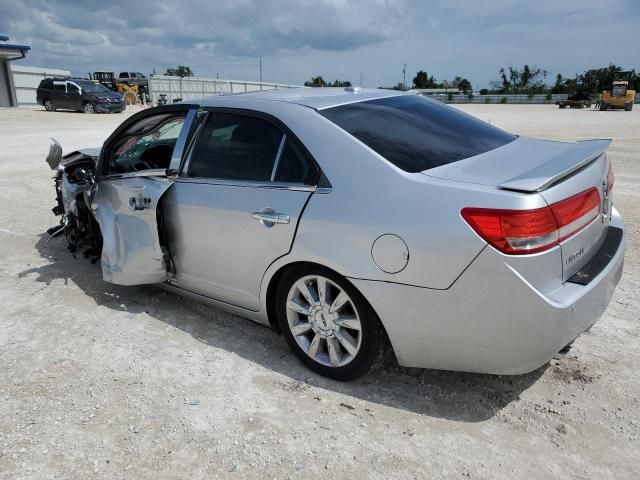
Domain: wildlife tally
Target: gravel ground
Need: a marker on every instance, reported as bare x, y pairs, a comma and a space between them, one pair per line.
101, 381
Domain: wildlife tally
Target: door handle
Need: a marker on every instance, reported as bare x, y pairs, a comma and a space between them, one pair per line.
268, 216
139, 202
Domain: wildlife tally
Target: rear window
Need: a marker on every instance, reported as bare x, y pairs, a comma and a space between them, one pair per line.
416, 133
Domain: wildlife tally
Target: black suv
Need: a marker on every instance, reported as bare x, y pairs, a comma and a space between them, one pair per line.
78, 94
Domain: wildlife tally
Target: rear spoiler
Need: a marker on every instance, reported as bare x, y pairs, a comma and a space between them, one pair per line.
563, 165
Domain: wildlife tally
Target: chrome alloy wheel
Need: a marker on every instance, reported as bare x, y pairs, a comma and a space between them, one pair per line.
89, 108
324, 321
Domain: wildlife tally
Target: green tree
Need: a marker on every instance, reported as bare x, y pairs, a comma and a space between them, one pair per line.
398, 86
341, 83
423, 80
464, 85
320, 82
598, 79
179, 71
595, 80
315, 82
560, 86
526, 80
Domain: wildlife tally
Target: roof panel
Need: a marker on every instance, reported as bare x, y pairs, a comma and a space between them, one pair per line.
317, 98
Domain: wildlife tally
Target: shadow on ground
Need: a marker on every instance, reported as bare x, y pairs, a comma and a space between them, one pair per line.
452, 395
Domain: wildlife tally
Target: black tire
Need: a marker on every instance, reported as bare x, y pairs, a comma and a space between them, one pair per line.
374, 347
48, 105
603, 107
629, 107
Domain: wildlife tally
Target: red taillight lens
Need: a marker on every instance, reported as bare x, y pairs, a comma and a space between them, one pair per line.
575, 213
519, 232
514, 231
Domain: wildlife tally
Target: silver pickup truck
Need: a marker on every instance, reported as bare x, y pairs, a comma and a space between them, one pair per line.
135, 78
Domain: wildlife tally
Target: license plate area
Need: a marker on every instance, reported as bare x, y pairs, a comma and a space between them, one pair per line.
601, 259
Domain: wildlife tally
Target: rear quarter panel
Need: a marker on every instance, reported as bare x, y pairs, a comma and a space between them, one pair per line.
370, 197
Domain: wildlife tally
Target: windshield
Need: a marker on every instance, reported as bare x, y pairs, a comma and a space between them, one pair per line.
415, 133
93, 87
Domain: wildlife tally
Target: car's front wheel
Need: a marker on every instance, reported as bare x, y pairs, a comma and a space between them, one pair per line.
328, 324
88, 107
48, 105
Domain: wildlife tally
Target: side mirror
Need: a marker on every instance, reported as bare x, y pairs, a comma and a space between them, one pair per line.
55, 155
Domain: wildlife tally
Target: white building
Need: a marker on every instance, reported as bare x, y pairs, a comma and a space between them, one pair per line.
9, 52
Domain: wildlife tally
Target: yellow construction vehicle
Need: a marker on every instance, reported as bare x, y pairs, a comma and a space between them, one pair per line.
129, 92
620, 95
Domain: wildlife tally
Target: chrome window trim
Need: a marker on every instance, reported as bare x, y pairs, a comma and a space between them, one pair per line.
183, 176
202, 121
278, 155
160, 172
74, 84
296, 187
152, 172
178, 149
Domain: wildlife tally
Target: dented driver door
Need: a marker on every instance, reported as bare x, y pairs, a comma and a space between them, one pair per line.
134, 166
126, 211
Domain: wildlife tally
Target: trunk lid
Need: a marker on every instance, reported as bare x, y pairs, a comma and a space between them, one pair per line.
554, 170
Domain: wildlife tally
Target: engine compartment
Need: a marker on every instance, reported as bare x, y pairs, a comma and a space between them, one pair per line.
75, 185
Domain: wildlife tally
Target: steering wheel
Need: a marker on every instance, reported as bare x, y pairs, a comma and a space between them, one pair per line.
144, 163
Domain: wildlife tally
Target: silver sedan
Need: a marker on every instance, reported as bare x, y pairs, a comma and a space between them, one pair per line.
359, 223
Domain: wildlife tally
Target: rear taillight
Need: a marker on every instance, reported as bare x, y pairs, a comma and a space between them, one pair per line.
575, 213
519, 232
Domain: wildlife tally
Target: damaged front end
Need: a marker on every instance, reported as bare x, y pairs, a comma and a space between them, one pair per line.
75, 187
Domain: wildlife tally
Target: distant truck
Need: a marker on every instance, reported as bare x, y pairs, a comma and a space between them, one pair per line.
577, 100
135, 78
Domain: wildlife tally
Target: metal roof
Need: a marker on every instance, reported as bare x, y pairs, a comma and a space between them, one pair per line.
12, 51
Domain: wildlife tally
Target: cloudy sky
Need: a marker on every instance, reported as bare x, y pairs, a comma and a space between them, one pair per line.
335, 38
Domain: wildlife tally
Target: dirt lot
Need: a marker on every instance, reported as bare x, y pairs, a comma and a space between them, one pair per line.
100, 381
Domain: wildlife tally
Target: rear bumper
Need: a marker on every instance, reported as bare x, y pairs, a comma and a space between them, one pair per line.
491, 320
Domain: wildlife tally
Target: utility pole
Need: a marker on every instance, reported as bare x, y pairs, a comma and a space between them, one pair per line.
404, 77
261, 70
360, 78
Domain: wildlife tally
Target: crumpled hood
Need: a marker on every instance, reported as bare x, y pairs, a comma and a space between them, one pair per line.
76, 156
109, 94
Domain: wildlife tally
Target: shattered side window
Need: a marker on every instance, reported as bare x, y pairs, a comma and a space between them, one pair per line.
147, 144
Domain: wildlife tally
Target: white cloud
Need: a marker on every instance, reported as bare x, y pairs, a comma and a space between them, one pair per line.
335, 38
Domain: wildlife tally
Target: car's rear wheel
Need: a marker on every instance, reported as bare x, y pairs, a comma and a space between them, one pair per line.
48, 105
328, 324
603, 106
88, 107
628, 107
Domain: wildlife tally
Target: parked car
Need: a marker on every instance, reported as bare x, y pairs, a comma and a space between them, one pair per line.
78, 94
356, 222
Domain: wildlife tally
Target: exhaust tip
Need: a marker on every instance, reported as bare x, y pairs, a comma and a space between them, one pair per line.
564, 351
